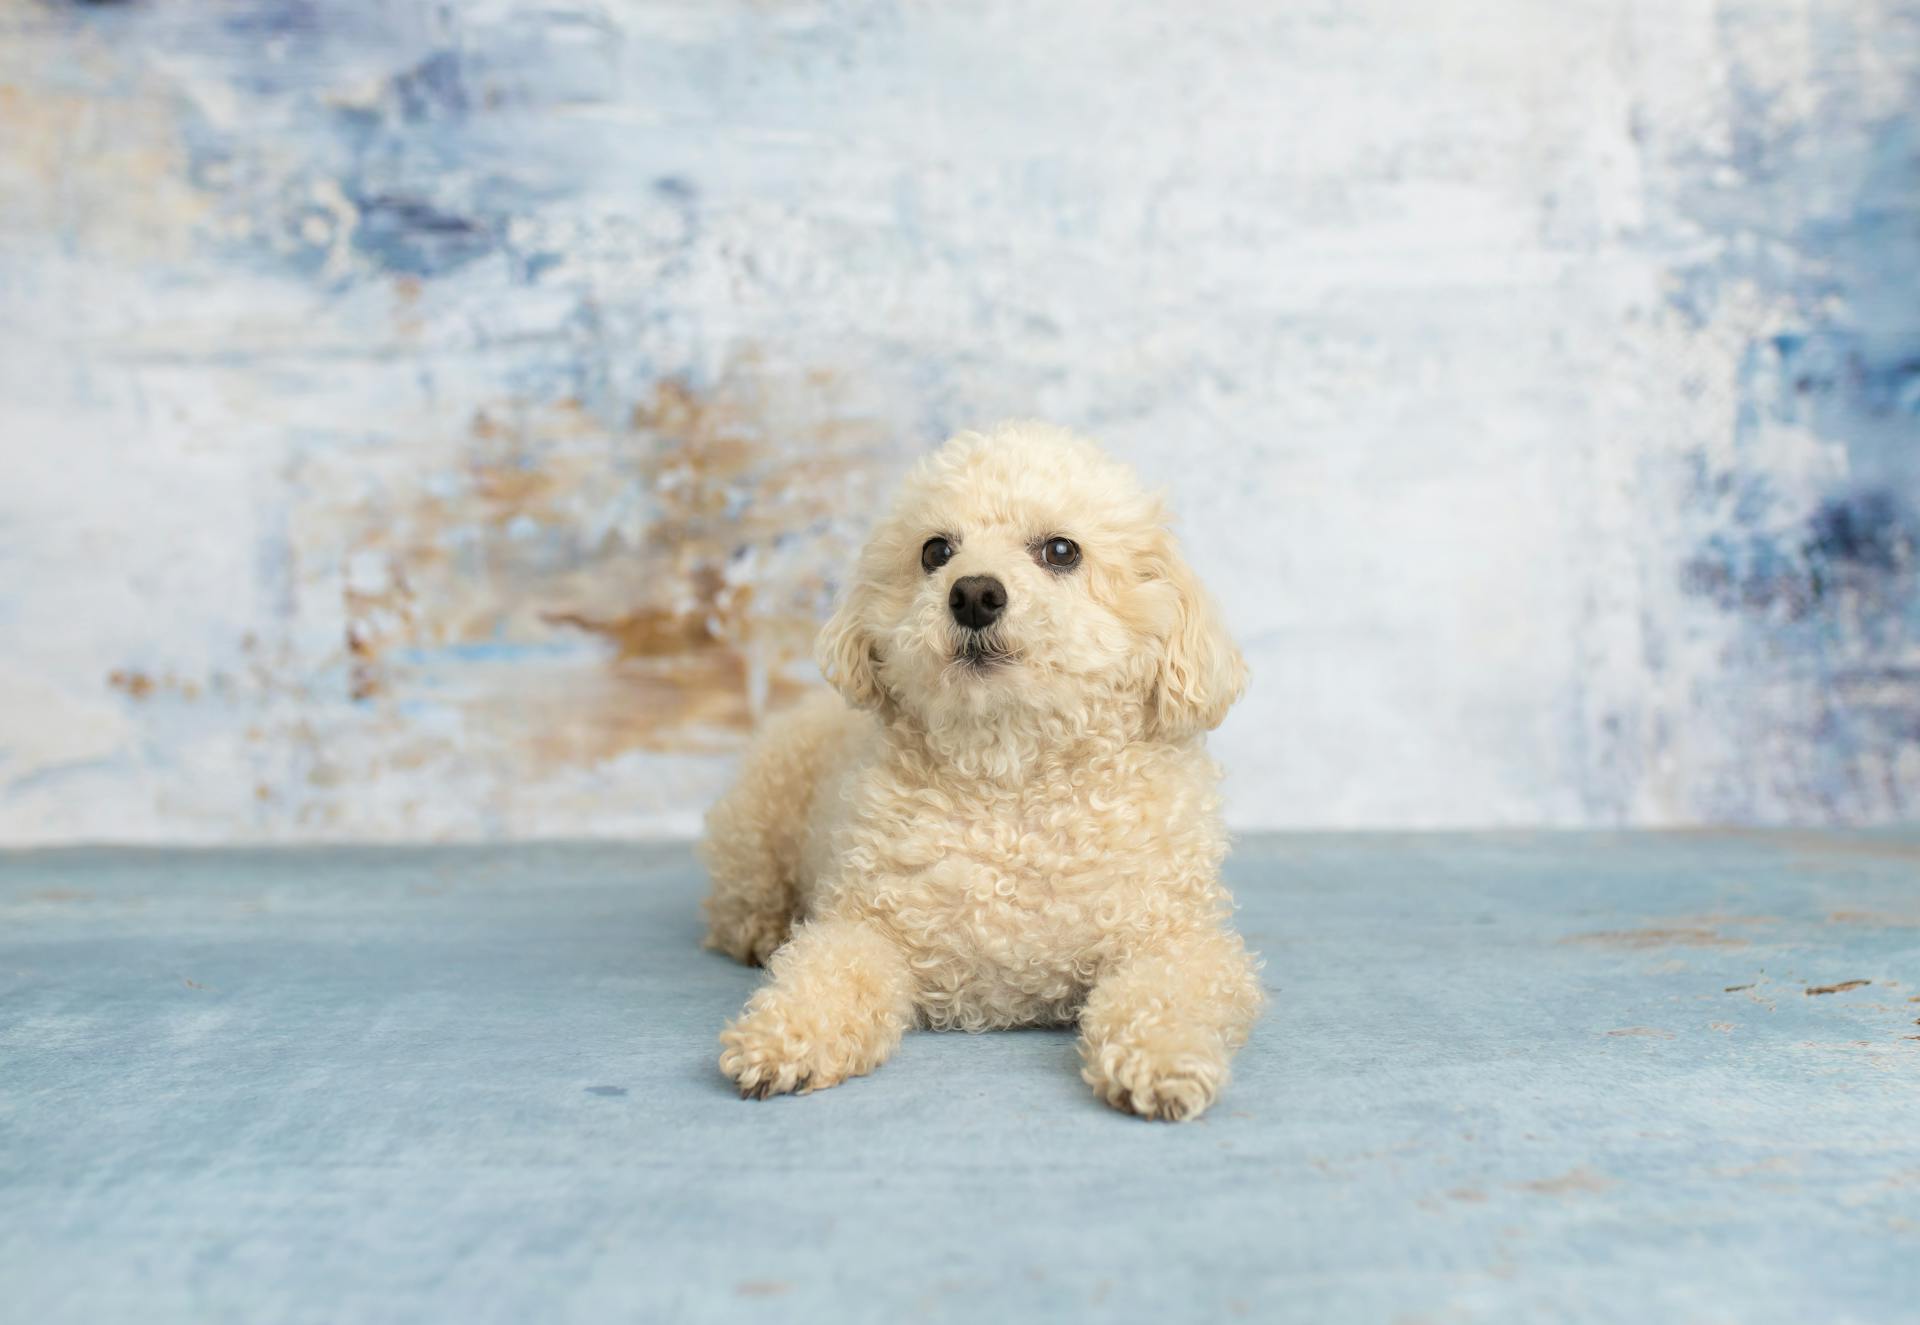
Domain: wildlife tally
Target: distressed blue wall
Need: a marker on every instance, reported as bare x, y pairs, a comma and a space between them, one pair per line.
1816, 203
450, 420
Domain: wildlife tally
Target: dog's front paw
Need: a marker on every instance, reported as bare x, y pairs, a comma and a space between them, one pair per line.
1165, 1075
766, 1053
840, 997
763, 1056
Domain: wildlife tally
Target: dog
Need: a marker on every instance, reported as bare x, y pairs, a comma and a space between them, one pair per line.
1006, 816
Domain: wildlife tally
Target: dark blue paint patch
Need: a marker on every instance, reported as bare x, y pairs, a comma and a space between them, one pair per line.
607, 1091
273, 18
1835, 370
1861, 548
1872, 533
530, 267
431, 193
413, 237
680, 195
434, 89
1856, 544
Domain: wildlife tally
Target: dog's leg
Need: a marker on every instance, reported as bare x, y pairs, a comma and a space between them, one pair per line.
840, 998
1161, 1024
750, 909
754, 834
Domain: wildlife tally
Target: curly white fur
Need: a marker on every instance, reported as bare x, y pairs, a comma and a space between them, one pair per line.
1032, 842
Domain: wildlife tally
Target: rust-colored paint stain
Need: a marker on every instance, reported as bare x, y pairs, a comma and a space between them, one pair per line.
1572, 1182
139, 684
694, 536
132, 683
651, 633
1681, 937
1877, 919
685, 704
763, 1288
1826, 844
1840, 988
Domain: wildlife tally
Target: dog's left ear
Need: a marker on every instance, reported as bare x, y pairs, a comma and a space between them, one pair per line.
1201, 672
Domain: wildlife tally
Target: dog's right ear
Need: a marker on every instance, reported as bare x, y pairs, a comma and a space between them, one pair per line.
845, 649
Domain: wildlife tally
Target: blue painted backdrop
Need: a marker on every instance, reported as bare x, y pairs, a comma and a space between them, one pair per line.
450, 419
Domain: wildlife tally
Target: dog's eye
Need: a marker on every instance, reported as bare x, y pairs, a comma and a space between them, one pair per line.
1060, 553
935, 553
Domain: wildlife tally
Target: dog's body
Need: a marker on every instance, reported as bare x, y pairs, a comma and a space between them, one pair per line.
1006, 817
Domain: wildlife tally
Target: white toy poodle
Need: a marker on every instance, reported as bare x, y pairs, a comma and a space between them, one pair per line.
1006, 817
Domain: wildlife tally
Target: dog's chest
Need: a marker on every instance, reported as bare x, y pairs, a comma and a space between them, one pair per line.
1003, 911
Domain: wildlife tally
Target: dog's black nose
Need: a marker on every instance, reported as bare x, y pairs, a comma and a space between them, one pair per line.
977, 601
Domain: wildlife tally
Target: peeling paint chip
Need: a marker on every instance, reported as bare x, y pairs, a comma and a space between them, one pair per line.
1842, 987
1734, 989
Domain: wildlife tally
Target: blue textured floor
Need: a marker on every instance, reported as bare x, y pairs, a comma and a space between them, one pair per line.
1502, 1078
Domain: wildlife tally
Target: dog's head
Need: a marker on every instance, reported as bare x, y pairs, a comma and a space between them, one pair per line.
1021, 570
